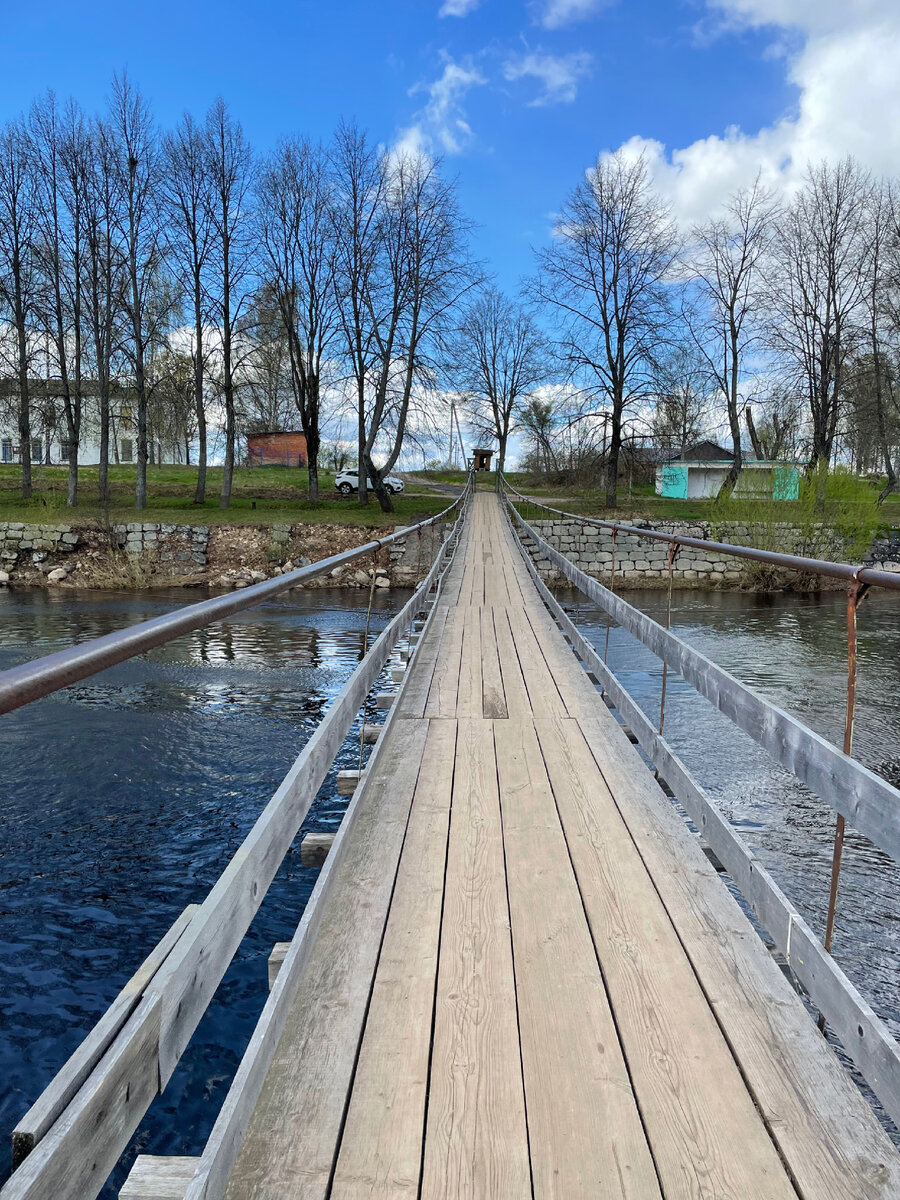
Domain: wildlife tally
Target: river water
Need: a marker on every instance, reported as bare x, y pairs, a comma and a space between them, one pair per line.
123, 797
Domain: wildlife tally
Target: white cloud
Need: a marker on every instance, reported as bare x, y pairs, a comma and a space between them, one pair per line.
554, 14
559, 74
848, 103
441, 124
458, 8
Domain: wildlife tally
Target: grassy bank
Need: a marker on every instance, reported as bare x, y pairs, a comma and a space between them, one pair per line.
260, 495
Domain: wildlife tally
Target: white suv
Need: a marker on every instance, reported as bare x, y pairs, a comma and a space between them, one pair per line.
347, 482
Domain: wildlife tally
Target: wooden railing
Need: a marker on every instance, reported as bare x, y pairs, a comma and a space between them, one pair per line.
864, 799
68, 1142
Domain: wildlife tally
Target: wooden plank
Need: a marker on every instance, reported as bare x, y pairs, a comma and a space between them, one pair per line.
72, 1161
584, 1128
543, 693
476, 1143
823, 1127
314, 848
862, 1033
442, 695
418, 682
155, 1177
62, 1089
281, 1121
515, 693
578, 693
381, 1148
867, 801
492, 697
469, 702
695, 1106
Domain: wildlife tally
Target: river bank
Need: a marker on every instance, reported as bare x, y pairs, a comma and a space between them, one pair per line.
142, 555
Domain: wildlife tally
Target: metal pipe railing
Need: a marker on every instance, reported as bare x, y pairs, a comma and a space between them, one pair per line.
40, 677
811, 566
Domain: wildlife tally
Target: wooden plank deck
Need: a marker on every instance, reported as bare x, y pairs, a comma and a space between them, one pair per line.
531, 982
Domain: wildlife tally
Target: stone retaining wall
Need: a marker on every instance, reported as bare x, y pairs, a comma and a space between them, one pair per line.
642, 562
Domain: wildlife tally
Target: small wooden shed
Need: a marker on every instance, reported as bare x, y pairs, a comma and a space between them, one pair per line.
481, 459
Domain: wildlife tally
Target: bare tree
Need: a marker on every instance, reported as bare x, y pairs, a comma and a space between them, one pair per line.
499, 356
188, 184
539, 421
682, 402
604, 277
425, 272
138, 218
817, 283
61, 146
724, 264
231, 166
103, 278
360, 181
882, 308
297, 237
18, 217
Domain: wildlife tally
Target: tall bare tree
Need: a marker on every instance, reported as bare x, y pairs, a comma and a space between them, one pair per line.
817, 282
424, 273
103, 278
360, 181
18, 230
498, 358
61, 145
604, 278
298, 243
682, 401
231, 262
132, 134
189, 194
724, 264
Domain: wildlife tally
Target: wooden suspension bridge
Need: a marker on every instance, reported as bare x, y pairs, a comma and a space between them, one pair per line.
519, 974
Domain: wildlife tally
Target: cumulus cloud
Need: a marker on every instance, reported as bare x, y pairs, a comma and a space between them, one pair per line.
844, 68
555, 14
458, 8
559, 75
441, 123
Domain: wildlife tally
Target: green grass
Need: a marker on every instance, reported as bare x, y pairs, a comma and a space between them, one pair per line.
260, 495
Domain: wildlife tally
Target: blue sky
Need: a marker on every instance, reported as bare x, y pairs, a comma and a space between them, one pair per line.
520, 95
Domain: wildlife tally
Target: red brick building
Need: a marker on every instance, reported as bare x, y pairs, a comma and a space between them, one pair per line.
277, 449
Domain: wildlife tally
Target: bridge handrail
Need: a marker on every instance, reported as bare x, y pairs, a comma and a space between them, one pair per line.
863, 798
864, 1035
812, 566
21, 685
73, 1135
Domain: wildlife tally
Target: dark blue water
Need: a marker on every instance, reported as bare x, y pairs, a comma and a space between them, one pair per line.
793, 650
123, 798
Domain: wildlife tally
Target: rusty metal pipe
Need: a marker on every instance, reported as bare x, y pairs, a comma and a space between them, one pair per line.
794, 562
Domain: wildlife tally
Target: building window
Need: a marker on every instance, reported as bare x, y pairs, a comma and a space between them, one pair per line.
6, 450
37, 450
63, 451
126, 452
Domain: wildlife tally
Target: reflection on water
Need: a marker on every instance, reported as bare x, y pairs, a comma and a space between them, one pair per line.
793, 650
123, 798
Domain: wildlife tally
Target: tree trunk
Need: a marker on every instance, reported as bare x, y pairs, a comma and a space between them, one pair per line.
362, 491
200, 490
382, 495
24, 411
501, 453
754, 437
612, 460
228, 468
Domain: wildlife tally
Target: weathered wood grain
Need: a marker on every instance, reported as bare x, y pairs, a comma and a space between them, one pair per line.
584, 1128
476, 1143
381, 1146
695, 1105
